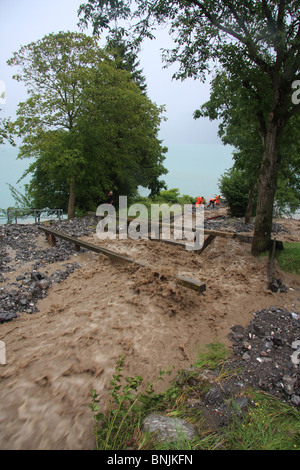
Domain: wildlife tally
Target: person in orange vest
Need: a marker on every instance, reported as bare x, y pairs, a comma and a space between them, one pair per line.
212, 202
218, 200
199, 201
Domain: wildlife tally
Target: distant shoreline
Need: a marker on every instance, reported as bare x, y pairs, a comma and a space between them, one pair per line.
31, 220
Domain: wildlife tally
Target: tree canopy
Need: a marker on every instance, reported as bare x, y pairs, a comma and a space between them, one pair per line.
256, 42
88, 125
239, 127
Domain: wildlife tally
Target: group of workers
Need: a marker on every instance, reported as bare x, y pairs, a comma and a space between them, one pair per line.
214, 200
200, 200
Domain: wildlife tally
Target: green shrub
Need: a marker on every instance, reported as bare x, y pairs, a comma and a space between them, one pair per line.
289, 258
234, 188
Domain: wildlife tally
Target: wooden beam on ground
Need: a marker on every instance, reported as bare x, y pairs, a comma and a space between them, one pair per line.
185, 281
53, 234
220, 233
207, 242
191, 283
168, 242
245, 238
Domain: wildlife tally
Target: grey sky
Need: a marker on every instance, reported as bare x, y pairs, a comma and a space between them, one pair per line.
196, 157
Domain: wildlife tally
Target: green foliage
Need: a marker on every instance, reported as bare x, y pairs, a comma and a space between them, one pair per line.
124, 56
168, 196
289, 258
127, 407
269, 425
212, 356
6, 132
234, 188
240, 128
253, 44
88, 125
22, 201
22, 205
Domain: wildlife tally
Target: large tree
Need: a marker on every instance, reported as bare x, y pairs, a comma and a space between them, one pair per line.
88, 125
258, 42
238, 126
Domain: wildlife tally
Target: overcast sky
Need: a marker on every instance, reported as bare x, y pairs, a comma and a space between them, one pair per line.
196, 158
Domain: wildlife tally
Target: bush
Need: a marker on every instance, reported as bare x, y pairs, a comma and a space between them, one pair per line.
234, 188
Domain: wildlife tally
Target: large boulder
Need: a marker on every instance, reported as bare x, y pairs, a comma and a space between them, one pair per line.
167, 428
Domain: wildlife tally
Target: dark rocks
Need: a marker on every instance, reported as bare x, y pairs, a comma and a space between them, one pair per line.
266, 356
267, 353
7, 316
19, 247
34, 286
237, 224
214, 396
276, 286
219, 401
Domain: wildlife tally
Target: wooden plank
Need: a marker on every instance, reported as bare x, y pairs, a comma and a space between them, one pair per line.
169, 242
245, 238
80, 243
189, 283
220, 233
51, 239
207, 242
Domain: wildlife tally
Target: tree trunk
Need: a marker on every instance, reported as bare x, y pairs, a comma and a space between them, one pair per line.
71, 205
266, 188
250, 202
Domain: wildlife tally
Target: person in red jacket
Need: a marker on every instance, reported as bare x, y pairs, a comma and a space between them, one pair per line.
212, 202
199, 201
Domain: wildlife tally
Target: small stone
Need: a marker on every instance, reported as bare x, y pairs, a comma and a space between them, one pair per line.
296, 357
246, 356
295, 399
44, 284
36, 276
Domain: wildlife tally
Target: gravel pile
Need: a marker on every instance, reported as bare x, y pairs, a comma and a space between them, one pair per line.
22, 295
238, 225
265, 356
268, 352
18, 245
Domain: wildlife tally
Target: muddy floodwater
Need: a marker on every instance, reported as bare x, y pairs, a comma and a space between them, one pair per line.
102, 310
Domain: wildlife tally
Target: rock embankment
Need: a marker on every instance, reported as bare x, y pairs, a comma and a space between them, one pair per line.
20, 253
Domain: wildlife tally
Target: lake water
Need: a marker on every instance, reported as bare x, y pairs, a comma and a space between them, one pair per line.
31, 220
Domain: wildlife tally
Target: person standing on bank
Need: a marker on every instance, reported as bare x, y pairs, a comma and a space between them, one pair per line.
110, 198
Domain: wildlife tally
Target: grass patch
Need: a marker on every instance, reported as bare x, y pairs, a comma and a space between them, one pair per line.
289, 258
212, 356
268, 424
